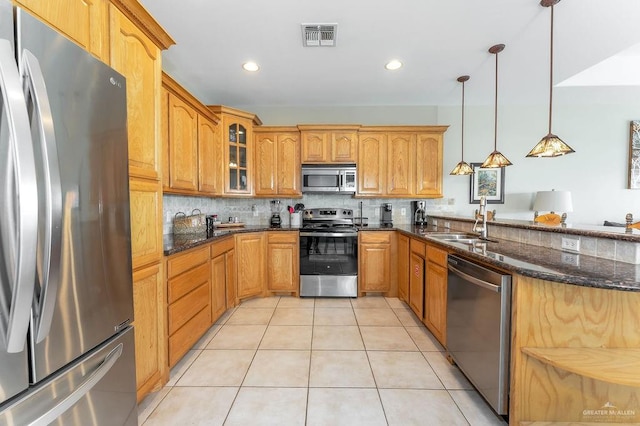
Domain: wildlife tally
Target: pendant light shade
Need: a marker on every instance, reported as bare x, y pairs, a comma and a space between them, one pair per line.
462, 168
496, 159
550, 145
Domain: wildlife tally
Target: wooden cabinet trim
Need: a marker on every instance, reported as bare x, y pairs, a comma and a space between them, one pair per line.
174, 87
137, 14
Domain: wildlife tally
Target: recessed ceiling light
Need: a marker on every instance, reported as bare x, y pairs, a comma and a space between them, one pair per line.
393, 64
250, 66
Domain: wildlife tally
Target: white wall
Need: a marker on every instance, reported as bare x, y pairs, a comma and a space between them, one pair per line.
596, 174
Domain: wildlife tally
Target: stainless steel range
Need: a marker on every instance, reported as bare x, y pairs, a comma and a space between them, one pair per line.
328, 253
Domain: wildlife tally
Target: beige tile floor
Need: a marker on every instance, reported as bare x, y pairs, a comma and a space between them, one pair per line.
288, 361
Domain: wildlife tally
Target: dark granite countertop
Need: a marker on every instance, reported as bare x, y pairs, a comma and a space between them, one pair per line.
173, 243
611, 232
524, 259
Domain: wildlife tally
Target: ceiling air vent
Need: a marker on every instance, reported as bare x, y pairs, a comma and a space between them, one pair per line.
318, 35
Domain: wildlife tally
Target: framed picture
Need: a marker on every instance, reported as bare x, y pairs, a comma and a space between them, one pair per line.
487, 182
634, 155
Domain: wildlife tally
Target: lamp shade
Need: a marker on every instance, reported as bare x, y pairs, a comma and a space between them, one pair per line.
553, 201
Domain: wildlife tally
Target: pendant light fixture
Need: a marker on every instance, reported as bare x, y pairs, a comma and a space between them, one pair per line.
496, 159
550, 145
462, 168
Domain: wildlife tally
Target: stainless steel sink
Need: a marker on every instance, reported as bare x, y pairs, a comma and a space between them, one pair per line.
457, 237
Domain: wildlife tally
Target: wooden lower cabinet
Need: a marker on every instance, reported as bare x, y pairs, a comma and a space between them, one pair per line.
250, 261
403, 268
188, 300
149, 301
416, 277
222, 277
374, 262
283, 262
435, 293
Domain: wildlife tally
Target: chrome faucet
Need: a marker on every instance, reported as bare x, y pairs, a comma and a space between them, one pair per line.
481, 215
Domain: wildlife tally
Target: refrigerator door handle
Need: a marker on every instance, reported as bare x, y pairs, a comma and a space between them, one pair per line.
49, 271
82, 390
17, 221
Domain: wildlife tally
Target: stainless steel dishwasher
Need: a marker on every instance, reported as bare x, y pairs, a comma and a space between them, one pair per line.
478, 327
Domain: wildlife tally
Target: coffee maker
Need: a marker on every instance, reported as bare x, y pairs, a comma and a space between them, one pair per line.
276, 208
419, 213
387, 216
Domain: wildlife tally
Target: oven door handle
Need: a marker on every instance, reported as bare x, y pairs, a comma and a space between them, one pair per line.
475, 280
328, 234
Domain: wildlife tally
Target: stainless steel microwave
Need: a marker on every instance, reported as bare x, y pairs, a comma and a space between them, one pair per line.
330, 178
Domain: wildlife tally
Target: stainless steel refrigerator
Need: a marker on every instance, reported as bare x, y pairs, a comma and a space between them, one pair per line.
66, 296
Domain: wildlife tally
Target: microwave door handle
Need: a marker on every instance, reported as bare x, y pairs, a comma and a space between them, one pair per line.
19, 234
35, 89
341, 183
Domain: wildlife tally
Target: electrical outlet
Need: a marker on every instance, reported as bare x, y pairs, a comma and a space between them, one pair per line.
571, 259
571, 244
403, 211
256, 213
376, 212
447, 225
435, 222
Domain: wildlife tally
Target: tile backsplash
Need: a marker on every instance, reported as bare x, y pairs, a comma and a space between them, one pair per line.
257, 211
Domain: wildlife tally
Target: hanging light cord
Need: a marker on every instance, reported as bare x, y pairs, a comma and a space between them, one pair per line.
551, 73
462, 132
495, 111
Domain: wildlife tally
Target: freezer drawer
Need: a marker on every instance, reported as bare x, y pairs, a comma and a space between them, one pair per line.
99, 389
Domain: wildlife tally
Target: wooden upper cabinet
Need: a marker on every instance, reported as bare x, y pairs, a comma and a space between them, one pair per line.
277, 160
400, 163
84, 22
237, 141
429, 164
136, 57
164, 135
191, 144
329, 143
344, 147
315, 148
183, 145
289, 164
371, 163
266, 164
209, 157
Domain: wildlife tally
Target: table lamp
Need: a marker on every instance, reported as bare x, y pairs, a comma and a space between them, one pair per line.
552, 201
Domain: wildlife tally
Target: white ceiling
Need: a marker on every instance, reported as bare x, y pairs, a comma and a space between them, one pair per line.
437, 40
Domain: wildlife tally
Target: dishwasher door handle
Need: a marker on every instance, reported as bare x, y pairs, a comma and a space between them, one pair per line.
475, 280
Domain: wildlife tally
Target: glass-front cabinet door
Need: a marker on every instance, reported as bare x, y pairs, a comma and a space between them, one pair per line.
238, 166
237, 141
